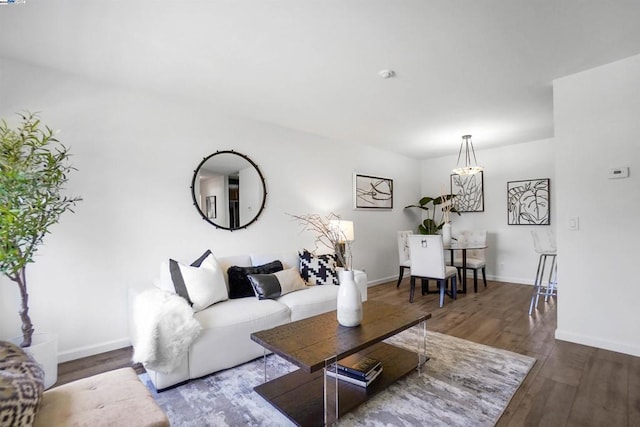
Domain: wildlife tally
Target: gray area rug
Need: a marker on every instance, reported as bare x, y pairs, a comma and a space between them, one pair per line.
463, 384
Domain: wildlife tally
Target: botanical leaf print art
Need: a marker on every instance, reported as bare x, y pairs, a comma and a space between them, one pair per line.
528, 202
469, 192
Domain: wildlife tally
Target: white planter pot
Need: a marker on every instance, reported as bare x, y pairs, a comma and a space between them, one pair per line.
349, 300
44, 349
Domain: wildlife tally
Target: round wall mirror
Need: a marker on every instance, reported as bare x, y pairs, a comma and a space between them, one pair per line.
228, 190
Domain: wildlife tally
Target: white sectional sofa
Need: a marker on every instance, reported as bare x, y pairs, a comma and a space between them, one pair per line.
224, 340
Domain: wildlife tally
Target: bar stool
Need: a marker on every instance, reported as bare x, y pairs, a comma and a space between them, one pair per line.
545, 245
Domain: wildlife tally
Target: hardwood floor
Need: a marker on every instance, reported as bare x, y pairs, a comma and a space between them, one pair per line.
570, 384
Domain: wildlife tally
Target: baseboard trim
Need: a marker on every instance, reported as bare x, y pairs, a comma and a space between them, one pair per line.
597, 342
383, 280
508, 279
91, 350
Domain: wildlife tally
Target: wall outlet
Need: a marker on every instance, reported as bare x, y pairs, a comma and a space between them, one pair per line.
615, 173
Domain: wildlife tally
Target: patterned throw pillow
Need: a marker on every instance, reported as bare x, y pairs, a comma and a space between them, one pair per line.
21, 386
318, 269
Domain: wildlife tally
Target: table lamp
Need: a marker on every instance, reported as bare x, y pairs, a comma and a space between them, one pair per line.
344, 229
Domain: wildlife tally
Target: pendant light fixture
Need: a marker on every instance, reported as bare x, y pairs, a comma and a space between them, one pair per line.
468, 168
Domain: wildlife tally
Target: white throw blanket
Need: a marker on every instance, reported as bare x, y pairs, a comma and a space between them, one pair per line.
164, 328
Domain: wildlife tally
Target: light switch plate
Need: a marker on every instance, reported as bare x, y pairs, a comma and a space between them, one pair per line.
574, 223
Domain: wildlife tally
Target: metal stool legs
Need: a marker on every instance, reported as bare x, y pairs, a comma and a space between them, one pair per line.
551, 286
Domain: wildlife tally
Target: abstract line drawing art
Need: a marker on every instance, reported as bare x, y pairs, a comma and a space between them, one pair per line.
528, 202
371, 192
469, 192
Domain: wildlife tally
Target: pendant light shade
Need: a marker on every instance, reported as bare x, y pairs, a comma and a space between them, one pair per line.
468, 168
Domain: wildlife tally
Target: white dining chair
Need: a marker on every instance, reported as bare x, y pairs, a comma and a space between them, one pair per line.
544, 244
404, 259
427, 263
476, 259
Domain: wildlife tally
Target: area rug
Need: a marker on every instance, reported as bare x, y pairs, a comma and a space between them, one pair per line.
463, 384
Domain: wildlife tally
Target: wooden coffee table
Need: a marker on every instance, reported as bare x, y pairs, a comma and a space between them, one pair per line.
307, 396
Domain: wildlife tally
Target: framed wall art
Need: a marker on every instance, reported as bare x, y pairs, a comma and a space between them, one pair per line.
528, 202
372, 192
469, 192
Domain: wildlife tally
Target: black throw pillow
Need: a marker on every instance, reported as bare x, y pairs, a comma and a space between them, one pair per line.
239, 284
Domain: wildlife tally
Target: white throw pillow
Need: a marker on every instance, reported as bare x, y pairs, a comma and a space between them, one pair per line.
201, 283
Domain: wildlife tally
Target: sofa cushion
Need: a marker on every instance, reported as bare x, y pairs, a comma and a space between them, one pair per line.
311, 301
234, 312
225, 339
21, 386
318, 269
270, 286
201, 283
239, 284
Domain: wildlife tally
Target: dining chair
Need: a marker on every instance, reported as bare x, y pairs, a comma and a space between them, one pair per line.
475, 257
427, 263
404, 260
545, 245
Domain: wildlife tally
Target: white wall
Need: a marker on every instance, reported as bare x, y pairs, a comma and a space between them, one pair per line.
135, 155
597, 127
510, 254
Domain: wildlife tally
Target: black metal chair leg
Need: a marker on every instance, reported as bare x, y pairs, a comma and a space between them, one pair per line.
413, 288
475, 280
454, 288
484, 277
400, 275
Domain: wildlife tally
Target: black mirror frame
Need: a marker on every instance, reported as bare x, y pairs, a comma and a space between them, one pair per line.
195, 201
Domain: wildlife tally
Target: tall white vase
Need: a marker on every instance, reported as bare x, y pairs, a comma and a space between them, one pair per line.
44, 350
349, 300
446, 233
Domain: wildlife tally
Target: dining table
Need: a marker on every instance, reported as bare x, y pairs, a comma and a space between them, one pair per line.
463, 246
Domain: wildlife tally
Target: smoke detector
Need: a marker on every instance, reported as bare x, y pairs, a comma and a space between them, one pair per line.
386, 74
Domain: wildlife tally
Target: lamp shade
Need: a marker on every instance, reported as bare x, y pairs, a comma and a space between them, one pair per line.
344, 229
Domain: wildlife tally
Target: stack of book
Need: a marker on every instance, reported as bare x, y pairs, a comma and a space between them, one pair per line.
356, 369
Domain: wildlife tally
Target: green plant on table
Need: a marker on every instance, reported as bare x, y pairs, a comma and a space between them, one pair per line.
442, 204
33, 170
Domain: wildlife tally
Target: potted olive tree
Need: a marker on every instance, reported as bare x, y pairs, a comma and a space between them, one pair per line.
34, 168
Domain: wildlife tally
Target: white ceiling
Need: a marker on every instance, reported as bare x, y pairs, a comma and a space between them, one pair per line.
483, 67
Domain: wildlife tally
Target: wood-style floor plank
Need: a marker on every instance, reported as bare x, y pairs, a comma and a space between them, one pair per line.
570, 384
634, 392
602, 396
